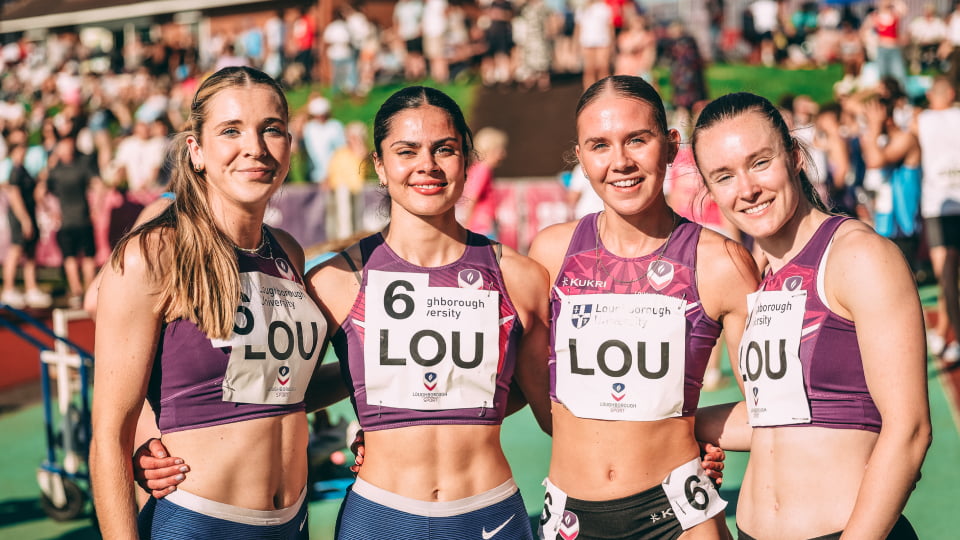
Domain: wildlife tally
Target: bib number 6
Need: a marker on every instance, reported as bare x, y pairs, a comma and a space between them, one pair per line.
391, 298
696, 495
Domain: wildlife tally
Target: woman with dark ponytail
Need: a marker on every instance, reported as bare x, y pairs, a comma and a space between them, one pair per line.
832, 359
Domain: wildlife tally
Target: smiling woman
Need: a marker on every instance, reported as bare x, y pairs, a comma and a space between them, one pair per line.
433, 324
837, 424
187, 297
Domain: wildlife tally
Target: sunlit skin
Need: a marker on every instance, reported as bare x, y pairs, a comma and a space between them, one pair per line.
807, 481
747, 170
244, 150
624, 155
422, 163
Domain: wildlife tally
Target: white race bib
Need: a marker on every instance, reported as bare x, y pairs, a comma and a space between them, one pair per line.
692, 495
554, 512
621, 356
276, 342
429, 348
770, 358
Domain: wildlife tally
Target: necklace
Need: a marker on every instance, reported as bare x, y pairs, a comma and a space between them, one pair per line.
603, 267
256, 251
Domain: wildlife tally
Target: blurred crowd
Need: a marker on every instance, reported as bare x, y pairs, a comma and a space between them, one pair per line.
86, 126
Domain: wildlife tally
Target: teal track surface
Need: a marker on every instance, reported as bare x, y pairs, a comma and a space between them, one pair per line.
930, 509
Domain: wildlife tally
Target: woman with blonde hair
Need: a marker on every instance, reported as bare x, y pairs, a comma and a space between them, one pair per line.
203, 310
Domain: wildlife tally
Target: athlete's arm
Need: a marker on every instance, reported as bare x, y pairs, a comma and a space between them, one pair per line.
526, 283
128, 327
726, 274
868, 281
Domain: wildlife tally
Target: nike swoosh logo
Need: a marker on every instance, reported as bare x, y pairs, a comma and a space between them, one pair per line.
304, 522
488, 535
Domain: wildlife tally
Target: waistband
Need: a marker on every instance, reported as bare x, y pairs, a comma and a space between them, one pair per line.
434, 509
236, 514
630, 501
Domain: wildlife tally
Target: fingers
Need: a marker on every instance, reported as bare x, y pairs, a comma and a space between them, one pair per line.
712, 462
156, 472
358, 460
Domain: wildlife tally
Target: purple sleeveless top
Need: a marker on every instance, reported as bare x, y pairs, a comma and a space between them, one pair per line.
349, 346
581, 274
829, 353
185, 388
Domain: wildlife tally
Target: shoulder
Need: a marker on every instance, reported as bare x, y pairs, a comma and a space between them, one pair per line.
857, 249
290, 245
334, 284
726, 273
549, 247
525, 279
718, 254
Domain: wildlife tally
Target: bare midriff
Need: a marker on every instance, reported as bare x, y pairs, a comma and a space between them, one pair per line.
259, 464
435, 463
600, 460
802, 481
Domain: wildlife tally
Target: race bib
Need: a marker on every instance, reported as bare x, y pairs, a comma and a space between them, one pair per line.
554, 510
692, 495
429, 348
276, 342
770, 358
620, 356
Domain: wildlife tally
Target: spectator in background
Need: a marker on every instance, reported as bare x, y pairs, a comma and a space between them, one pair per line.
887, 22
304, 35
715, 14
138, 161
938, 130
535, 46
495, 66
581, 197
322, 135
274, 36
950, 49
766, 22
407, 21
434, 39
18, 187
896, 152
339, 48
686, 75
348, 170
636, 49
927, 32
69, 179
839, 172
595, 35
565, 49
479, 205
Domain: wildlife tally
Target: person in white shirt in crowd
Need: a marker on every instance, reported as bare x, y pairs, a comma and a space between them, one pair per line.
340, 52
595, 36
938, 129
407, 20
927, 32
322, 135
434, 39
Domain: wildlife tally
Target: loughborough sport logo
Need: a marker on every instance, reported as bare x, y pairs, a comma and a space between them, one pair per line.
581, 315
660, 274
569, 526
793, 283
283, 375
619, 391
430, 381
